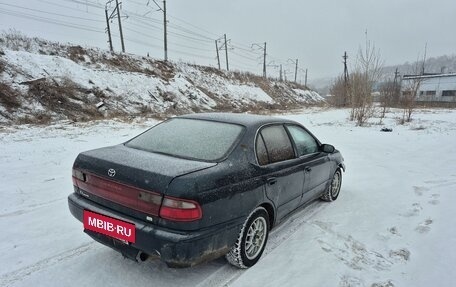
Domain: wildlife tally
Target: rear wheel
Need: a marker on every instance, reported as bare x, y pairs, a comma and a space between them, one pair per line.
251, 240
333, 189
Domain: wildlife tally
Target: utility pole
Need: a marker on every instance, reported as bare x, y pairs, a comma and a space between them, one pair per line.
397, 88
120, 26
226, 53
305, 83
281, 77
264, 61
296, 70
108, 30
218, 57
345, 57
165, 27
165, 30
424, 59
396, 74
346, 79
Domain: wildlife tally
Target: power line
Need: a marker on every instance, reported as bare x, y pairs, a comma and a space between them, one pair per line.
87, 3
137, 3
183, 29
50, 13
194, 26
67, 7
188, 37
144, 35
159, 39
189, 32
148, 25
242, 64
245, 57
253, 52
50, 21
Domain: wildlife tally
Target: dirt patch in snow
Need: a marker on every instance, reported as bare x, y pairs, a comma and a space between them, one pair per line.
9, 97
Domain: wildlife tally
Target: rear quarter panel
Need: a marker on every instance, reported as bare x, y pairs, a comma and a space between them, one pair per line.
226, 192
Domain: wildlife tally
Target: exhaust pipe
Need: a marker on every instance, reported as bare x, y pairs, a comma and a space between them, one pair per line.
141, 257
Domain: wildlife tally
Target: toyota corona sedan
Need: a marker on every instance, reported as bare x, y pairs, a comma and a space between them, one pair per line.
201, 186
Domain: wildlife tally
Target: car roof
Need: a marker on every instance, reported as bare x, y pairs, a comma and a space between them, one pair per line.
248, 120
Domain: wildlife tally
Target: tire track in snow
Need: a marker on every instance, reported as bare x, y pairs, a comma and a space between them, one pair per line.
228, 274
17, 275
31, 208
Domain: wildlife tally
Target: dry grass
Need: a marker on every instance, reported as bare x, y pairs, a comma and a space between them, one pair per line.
449, 105
65, 98
77, 53
15, 40
207, 93
2, 63
9, 98
37, 118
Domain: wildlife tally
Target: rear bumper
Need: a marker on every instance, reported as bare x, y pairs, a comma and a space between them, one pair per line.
176, 248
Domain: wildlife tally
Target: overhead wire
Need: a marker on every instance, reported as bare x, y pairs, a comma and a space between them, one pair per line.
86, 3
68, 7
245, 57
201, 37
50, 21
51, 13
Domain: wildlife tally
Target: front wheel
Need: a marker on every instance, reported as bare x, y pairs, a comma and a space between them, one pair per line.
251, 240
332, 192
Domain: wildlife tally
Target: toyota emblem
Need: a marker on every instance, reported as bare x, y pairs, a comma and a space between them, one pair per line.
111, 172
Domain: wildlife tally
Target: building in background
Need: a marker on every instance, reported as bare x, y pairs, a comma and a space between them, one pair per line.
430, 87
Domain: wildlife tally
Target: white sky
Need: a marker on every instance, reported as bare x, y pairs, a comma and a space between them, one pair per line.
315, 32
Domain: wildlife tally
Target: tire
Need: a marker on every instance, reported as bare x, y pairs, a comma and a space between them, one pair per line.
251, 241
333, 190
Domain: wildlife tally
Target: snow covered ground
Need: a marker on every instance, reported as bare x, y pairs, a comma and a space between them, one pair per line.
393, 224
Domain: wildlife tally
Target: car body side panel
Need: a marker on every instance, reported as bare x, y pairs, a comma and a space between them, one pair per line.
225, 192
318, 168
287, 189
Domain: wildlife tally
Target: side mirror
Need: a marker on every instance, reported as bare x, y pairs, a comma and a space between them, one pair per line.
327, 148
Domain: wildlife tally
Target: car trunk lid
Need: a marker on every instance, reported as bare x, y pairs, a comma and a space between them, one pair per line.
132, 178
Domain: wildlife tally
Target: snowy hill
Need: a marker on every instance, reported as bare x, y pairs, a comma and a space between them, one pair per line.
445, 63
42, 81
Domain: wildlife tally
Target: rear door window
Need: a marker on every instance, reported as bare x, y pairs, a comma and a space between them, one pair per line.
277, 143
305, 142
262, 153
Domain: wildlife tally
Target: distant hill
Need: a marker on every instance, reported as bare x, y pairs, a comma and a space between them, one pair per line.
445, 64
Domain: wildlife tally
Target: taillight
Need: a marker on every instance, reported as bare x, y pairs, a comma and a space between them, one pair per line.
177, 209
79, 175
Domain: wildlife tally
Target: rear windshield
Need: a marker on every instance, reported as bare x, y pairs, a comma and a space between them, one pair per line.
189, 138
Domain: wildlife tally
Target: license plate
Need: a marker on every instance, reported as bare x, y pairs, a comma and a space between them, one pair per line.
111, 227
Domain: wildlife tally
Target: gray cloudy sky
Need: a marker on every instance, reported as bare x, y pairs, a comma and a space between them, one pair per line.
315, 32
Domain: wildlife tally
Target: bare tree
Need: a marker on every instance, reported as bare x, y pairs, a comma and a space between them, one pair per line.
366, 73
339, 93
389, 93
410, 89
408, 99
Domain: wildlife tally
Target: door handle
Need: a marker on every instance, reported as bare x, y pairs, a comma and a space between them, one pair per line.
271, 180
307, 169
